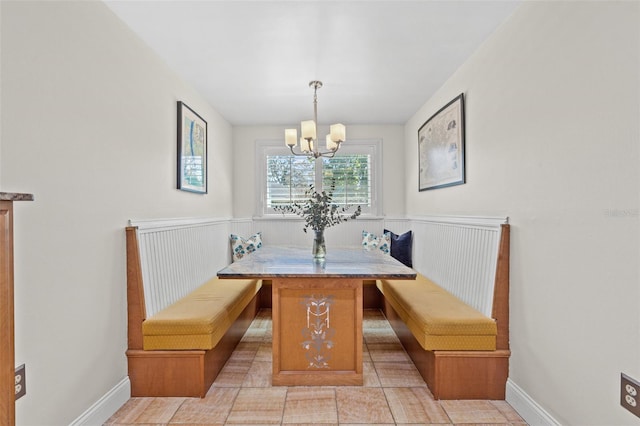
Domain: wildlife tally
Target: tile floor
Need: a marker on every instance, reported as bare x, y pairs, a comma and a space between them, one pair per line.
393, 392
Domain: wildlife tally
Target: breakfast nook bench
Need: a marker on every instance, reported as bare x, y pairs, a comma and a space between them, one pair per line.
457, 337
180, 332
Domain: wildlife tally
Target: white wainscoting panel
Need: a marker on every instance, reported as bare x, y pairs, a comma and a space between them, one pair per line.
288, 231
179, 255
242, 227
397, 225
460, 255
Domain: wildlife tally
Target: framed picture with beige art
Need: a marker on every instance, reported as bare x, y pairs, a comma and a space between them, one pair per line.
441, 147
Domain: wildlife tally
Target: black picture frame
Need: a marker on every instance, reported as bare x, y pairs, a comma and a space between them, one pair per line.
192, 164
441, 147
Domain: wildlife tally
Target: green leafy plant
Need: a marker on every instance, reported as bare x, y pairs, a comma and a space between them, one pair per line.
319, 211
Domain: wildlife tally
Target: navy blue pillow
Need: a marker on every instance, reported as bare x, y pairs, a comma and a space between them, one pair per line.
401, 247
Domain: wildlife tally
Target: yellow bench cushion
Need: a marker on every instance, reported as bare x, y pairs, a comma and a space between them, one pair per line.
201, 318
438, 319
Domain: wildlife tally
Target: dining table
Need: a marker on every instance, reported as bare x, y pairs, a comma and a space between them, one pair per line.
317, 309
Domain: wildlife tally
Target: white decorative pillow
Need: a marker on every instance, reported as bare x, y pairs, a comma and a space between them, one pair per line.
241, 247
371, 241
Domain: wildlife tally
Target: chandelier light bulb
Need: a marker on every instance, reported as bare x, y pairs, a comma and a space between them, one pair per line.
338, 133
308, 129
291, 137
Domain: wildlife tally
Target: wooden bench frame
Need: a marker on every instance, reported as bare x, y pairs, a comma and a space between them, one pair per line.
172, 373
466, 374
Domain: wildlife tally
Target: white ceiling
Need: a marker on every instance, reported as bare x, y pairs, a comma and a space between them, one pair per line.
380, 61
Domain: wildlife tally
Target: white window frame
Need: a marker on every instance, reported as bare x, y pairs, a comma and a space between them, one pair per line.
372, 147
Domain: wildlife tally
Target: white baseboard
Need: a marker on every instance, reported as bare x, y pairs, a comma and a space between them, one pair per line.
106, 406
528, 409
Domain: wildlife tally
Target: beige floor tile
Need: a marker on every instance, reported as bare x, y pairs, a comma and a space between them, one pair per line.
246, 350
213, 409
414, 405
372, 322
482, 424
375, 322
508, 411
473, 411
233, 373
367, 424
254, 335
311, 424
380, 335
261, 322
130, 411
362, 405
246, 424
264, 314
375, 316
161, 410
258, 405
366, 357
144, 424
260, 327
259, 375
387, 352
398, 374
264, 353
370, 377
310, 404
380, 339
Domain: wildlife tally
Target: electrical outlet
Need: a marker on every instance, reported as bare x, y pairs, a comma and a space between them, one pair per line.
629, 398
21, 382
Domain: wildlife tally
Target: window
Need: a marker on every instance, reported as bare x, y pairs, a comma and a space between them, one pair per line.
287, 178
351, 175
283, 178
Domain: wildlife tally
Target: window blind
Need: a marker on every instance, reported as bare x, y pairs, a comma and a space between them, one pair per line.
351, 175
283, 178
288, 177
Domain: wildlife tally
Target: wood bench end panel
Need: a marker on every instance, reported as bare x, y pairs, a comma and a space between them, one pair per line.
166, 373
136, 310
501, 289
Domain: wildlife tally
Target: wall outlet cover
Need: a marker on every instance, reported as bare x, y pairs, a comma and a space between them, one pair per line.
21, 382
629, 394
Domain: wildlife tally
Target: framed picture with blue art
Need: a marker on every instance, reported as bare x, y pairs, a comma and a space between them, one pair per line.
441, 147
192, 150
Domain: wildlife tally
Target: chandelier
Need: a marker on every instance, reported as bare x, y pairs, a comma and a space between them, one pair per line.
308, 141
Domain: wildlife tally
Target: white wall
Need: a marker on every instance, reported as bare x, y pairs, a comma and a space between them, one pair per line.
552, 142
244, 185
89, 127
